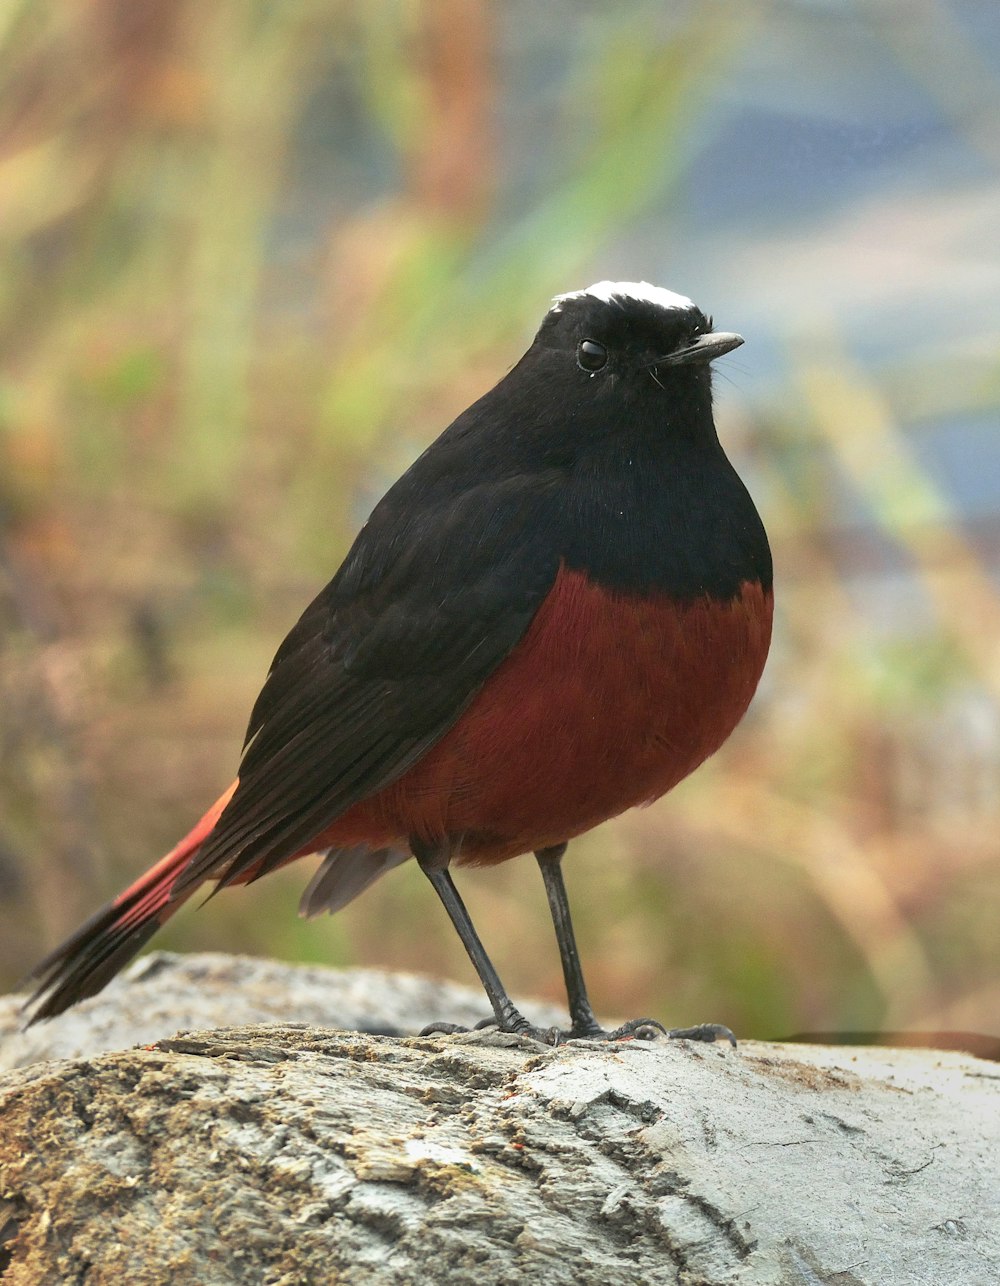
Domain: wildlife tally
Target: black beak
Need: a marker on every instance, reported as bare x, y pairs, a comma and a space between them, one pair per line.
706, 348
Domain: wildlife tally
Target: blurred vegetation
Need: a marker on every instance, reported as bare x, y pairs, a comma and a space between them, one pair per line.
202, 394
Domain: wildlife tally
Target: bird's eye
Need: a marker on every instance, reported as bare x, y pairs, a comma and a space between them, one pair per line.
590, 355
703, 326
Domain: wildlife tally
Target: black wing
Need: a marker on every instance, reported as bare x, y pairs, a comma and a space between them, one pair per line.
440, 585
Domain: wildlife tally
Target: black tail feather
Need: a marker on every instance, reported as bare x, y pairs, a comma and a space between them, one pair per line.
88, 960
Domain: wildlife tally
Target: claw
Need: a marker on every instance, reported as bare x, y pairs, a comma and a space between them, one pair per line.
638, 1029
708, 1032
544, 1035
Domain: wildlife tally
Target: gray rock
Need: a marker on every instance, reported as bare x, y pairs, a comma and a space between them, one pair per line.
163, 993
289, 1154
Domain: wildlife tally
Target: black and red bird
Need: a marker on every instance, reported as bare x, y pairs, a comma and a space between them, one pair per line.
560, 610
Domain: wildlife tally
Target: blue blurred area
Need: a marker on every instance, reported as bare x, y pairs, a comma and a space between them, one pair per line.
817, 147
836, 178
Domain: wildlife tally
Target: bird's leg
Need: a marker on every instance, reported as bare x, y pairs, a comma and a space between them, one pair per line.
433, 861
581, 1015
434, 864
585, 1025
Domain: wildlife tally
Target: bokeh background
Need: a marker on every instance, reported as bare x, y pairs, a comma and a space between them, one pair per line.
255, 256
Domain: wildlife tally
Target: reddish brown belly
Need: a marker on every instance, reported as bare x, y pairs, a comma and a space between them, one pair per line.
607, 702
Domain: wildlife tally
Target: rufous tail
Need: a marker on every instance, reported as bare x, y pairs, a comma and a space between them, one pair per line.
88, 960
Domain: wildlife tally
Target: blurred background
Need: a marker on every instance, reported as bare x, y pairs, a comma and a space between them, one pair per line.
254, 257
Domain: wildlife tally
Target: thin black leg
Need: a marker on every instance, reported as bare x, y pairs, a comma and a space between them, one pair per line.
434, 865
581, 1014
580, 1011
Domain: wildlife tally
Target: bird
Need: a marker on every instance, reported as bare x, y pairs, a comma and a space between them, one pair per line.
558, 612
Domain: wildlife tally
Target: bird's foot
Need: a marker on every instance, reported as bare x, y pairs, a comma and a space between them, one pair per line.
450, 1029
517, 1027
707, 1032
648, 1029
634, 1029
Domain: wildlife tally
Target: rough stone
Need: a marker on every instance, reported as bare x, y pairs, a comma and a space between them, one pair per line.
286, 1153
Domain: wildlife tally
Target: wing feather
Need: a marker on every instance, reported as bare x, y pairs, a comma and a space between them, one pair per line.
382, 664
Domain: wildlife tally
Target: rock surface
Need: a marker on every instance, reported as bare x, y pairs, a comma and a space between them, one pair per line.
163, 993
289, 1154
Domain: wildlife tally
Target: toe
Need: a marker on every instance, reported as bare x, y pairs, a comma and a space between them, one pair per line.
442, 1029
708, 1032
638, 1029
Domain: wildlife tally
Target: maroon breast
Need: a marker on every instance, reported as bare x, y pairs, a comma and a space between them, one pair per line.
608, 701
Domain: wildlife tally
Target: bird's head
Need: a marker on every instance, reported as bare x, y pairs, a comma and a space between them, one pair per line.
632, 338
